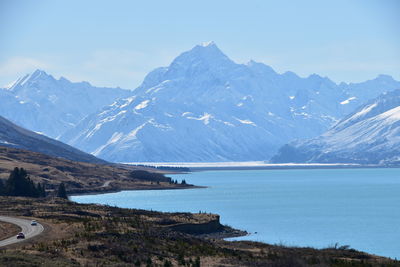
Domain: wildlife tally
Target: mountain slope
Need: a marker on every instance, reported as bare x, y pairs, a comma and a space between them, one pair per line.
14, 136
370, 135
205, 107
41, 103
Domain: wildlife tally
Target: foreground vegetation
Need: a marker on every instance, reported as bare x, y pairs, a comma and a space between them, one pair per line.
96, 235
8, 230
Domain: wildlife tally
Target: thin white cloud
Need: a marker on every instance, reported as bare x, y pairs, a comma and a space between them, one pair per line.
125, 68
17, 65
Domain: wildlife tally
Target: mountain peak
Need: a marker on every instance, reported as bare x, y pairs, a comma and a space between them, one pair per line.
38, 72
34, 76
207, 47
384, 77
315, 76
209, 43
207, 53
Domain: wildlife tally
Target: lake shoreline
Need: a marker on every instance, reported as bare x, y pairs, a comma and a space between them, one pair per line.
273, 186
255, 165
101, 191
136, 187
88, 232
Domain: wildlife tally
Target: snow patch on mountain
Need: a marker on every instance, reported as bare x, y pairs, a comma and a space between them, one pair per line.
246, 122
370, 135
347, 101
41, 103
390, 116
364, 111
206, 107
142, 105
209, 43
205, 118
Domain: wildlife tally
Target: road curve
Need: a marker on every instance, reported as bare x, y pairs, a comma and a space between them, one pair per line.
26, 227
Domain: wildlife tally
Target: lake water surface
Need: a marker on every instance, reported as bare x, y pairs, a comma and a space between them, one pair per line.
317, 208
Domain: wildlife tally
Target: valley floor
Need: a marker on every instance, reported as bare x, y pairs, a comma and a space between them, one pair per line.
247, 165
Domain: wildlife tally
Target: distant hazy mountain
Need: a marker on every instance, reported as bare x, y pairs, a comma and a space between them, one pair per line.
14, 136
43, 104
371, 135
205, 107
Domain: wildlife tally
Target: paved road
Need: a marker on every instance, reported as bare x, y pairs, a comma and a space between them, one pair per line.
28, 229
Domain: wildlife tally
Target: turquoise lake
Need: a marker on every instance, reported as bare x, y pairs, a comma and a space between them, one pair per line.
308, 207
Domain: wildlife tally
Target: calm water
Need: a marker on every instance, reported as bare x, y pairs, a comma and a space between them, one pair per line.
356, 207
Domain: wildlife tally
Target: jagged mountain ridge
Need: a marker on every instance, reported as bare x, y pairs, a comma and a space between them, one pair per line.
370, 135
205, 107
14, 136
41, 103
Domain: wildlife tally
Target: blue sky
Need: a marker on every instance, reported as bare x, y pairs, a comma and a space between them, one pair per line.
115, 43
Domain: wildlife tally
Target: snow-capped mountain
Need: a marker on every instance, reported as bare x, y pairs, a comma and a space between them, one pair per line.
205, 107
41, 103
370, 135
14, 136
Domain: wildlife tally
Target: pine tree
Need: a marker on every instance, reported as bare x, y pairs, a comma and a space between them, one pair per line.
43, 193
62, 193
2, 188
41, 190
19, 184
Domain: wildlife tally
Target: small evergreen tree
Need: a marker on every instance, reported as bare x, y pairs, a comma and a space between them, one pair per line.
41, 190
61, 192
44, 190
2, 189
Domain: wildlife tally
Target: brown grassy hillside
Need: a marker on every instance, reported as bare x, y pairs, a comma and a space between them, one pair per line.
80, 177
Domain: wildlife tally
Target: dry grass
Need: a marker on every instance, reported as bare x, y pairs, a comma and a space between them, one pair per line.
7, 230
79, 177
